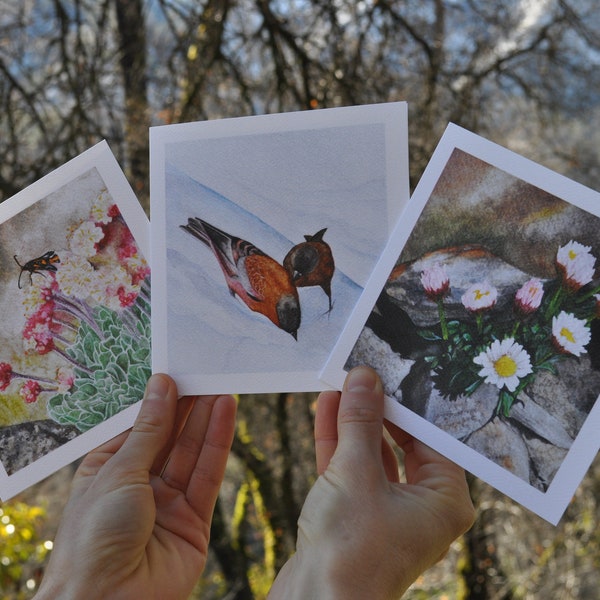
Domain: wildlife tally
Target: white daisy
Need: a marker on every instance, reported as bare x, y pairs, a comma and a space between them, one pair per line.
480, 296
504, 363
570, 333
577, 264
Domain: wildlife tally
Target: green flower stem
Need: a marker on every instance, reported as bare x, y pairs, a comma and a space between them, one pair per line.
588, 294
515, 329
555, 302
479, 320
72, 361
443, 322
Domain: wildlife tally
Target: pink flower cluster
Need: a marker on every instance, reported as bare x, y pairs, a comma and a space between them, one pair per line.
31, 388
6, 374
30, 391
40, 328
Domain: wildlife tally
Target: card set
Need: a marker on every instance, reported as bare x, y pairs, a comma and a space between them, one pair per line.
285, 250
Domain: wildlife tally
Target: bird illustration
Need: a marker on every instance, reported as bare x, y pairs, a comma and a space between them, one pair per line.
256, 278
311, 263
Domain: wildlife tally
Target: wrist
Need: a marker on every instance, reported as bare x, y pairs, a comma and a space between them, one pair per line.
55, 587
311, 576
315, 578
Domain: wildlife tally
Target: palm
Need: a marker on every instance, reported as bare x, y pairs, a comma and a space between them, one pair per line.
141, 504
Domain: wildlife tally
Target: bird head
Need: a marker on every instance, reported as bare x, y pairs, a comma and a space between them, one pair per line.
288, 313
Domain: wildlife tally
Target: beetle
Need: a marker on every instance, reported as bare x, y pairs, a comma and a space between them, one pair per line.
46, 262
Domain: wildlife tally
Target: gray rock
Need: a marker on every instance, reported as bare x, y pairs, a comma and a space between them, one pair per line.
503, 444
541, 422
371, 351
465, 265
545, 459
23, 444
464, 415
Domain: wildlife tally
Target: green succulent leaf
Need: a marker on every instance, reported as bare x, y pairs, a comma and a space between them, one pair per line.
114, 368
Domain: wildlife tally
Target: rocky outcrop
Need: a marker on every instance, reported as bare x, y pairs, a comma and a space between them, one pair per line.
23, 444
534, 439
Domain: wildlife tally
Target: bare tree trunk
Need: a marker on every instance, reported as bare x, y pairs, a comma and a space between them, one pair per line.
131, 34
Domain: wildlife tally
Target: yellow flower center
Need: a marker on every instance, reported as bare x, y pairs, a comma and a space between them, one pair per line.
479, 294
572, 254
568, 335
505, 366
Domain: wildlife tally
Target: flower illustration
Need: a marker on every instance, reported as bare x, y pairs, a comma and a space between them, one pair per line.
65, 377
576, 263
103, 209
570, 333
479, 297
83, 241
30, 391
529, 296
75, 276
549, 321
504, 363
92, 316
435, 282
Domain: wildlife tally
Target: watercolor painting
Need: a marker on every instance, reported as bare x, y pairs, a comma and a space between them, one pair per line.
76, 313
265, 230
485, 326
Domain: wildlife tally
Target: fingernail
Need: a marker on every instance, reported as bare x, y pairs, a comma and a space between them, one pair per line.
157, 387
361, 379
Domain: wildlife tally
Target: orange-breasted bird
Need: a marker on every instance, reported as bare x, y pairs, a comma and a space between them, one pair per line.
256, 278
311, 263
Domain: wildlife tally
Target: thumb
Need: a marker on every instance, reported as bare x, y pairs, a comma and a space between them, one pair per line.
360, 417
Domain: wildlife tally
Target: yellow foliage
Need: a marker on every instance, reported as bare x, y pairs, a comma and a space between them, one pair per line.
22, 552
14, 410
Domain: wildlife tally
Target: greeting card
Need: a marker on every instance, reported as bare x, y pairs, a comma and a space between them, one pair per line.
264, 231
482, 319
75, 303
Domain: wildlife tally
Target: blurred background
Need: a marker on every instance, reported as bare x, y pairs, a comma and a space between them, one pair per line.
524, 73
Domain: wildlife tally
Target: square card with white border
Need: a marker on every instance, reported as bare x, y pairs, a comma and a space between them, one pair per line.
264, 232
75, 305
482, 319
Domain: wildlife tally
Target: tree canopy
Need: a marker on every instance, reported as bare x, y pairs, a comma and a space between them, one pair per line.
524, 73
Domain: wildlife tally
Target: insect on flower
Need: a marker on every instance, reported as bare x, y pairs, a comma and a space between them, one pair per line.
46, 262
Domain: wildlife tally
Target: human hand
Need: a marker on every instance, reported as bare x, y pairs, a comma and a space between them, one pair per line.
137, 522
362, 533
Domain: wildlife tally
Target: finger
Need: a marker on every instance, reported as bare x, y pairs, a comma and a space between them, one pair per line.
153, 425
426, 467
400, 436
184, 406
390, 462
188, 444
96, 459
326, 433
207, 476
360, 417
